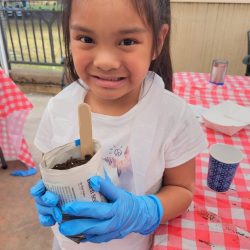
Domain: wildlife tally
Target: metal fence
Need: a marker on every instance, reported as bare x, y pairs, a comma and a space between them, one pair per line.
31, 36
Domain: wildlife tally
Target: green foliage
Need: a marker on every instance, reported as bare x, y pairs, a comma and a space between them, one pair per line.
44, 5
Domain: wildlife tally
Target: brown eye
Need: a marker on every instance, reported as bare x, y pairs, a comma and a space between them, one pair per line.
128, 42
86, 39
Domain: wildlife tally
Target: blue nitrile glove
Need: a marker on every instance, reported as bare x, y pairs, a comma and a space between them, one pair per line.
46, 205
125, 213
19, 172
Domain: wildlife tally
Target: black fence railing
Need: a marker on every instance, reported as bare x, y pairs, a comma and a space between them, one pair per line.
32, 36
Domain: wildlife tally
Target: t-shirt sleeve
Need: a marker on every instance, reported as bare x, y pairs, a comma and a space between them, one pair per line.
188, 140
44, 132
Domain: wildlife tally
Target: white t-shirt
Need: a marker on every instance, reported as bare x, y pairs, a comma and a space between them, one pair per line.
159, 132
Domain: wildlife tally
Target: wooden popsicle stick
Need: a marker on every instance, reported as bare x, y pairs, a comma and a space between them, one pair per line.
85, 130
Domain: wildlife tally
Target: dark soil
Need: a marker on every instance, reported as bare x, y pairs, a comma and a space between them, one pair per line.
72, 163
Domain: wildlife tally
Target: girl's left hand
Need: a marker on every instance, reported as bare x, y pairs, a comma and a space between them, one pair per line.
123, 214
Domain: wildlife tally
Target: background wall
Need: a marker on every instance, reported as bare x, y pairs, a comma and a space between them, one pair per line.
203, 30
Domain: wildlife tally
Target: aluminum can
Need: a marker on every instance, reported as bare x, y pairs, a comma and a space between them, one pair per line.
218, 71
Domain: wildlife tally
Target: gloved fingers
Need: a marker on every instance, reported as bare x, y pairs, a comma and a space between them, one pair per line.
87, 226
102, 227
49, 199
38, 189
105, 187
24, 173
52, 211
102, 238
97, 210
77, 226
46, 220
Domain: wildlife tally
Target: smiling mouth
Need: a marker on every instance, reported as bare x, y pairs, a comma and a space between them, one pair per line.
112, 79
109, 82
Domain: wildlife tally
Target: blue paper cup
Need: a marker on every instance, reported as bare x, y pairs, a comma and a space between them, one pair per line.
223, 162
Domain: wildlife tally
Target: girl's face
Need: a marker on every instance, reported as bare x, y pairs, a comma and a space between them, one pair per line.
112, 50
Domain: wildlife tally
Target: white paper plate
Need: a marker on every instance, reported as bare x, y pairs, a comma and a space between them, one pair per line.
227, 117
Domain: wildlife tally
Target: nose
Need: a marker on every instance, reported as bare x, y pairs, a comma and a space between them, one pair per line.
106, 60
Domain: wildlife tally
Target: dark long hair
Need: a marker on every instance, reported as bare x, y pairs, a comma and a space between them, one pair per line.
156, 13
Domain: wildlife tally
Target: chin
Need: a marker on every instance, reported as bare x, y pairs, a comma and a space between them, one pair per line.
107, 93
111, 97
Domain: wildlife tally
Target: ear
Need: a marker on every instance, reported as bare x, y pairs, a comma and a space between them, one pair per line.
161, 38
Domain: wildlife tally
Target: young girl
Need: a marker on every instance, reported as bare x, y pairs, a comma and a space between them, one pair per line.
117, 53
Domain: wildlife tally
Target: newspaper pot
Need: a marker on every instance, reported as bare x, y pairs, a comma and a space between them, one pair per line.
71, 184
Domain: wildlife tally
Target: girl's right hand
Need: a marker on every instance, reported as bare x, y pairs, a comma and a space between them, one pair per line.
46, 205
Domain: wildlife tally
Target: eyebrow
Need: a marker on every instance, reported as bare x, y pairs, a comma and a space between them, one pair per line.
132, 30
80, 28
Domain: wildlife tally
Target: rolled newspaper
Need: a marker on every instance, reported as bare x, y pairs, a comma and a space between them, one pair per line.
71, 184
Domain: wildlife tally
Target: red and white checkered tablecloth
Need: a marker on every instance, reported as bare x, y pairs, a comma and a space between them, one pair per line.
214, 220
14, 108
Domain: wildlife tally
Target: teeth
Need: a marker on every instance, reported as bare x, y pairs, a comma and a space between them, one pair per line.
111, 79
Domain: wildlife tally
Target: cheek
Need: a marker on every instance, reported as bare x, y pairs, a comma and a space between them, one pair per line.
80, 59
139, 65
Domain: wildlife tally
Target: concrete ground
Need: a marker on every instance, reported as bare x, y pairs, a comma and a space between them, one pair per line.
19, 227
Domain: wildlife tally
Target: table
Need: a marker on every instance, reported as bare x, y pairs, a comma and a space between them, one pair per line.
213, 220
14, 108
